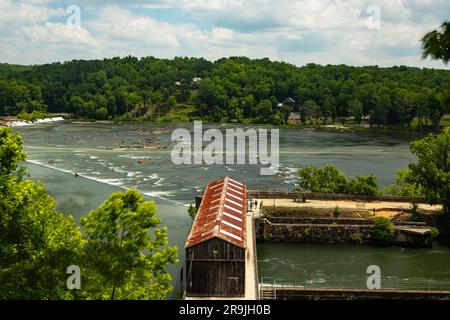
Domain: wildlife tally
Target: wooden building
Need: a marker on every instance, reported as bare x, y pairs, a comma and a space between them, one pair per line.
216, 245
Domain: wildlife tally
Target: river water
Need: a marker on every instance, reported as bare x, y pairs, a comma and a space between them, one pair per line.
110, 157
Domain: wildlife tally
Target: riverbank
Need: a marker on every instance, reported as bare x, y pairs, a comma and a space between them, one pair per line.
330, 127
333, 127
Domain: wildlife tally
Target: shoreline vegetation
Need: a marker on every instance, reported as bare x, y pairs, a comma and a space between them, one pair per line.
334, 127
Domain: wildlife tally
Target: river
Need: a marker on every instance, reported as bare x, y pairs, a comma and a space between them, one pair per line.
109, 157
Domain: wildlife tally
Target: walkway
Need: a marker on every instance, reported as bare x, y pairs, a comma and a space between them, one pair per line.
250, 263
347, 204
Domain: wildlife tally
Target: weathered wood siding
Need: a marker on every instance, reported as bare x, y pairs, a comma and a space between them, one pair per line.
215, 268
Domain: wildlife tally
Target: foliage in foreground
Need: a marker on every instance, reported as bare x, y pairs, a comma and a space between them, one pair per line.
36, 242
131, 265
117, 255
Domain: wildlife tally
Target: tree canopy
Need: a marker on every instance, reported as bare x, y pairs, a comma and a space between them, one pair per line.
125, 261
37, 243
236, 89
329, 179
431, 171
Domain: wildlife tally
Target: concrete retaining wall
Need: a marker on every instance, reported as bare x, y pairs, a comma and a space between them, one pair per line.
276, 194
267, 231
346, 221
356, 294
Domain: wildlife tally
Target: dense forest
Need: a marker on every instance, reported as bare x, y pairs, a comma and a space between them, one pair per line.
236, 89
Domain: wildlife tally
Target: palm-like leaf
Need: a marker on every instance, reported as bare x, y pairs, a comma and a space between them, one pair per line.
436, 44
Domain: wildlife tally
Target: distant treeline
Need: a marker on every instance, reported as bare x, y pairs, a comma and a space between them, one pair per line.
234, 89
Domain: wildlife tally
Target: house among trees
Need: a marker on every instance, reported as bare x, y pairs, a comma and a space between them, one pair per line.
216, 245
290, 102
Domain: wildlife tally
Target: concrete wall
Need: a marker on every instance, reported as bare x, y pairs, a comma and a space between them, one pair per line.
267, 231
347, 221
267, 194
356, 294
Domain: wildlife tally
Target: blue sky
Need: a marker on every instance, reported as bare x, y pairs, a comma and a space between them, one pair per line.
354, 32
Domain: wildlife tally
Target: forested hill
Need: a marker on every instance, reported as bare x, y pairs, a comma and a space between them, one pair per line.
232, 89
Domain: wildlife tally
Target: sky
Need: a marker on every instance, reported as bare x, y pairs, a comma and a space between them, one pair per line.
352, 32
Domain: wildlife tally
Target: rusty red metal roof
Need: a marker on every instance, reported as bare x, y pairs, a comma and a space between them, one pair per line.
221, 214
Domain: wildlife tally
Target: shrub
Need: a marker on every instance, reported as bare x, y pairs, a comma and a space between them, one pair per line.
415, 215
32, 116
382, 229
306, 232
192, 211
336, 211
434, 233
356, 237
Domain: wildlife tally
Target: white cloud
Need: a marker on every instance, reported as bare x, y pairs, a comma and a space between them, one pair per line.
59, 33
18, 13
117, 24
298, 31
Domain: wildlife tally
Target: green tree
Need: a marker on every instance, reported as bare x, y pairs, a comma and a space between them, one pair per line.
172, 102
263, 110
310, 111
432, 170
328, 109
125, 260
37, 243
324, 180
444, 98
76, 105
436, 43
404, 185
379, 113
363, 185
101, 113
355, 108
